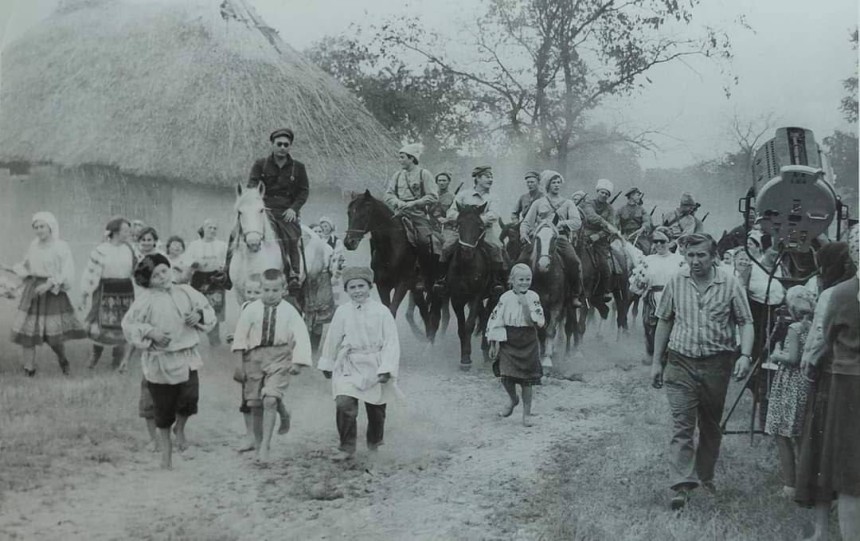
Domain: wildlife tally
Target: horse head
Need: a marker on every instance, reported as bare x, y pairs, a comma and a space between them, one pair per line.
545, 240
360, 213
251, 217
470, 227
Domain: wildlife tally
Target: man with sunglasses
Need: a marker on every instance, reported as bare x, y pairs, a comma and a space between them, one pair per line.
286, 182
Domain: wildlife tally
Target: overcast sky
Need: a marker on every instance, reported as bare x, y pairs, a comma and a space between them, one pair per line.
790, 65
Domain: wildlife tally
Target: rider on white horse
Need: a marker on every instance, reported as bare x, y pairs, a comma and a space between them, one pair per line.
563, 214
286, 191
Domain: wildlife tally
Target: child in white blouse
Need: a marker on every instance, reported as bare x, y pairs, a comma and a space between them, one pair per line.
271, 344
514, 345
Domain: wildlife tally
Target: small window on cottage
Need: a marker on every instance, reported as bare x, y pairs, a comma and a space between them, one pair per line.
18, 168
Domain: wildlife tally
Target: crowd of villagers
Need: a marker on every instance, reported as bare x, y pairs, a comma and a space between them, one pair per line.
706, 319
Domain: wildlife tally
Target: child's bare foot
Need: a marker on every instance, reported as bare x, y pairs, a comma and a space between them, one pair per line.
181, 442
263, 456
509, 409
154, 446
527, 421
285, 424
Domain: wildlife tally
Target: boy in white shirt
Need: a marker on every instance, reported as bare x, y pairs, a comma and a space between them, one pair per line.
271, 344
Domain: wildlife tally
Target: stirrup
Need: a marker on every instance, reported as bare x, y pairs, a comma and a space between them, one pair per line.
441, 286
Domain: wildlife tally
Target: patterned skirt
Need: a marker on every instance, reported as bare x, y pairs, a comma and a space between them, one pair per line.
319, 305
111, 301
43, 318
211, 285
787, 403
519, 357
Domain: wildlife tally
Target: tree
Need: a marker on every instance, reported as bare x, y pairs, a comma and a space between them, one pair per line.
748, 134
542, 65
849, 102
430, 105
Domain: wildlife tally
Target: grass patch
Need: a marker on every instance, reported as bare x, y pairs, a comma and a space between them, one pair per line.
50, 425
616, 486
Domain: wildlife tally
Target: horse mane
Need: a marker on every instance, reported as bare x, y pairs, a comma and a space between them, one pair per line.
249, 196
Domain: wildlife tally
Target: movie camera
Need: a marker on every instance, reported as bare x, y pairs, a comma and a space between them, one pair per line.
792, 196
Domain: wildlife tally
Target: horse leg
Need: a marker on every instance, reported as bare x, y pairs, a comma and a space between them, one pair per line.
400, 291
465, 336
385, 296
471, 319
445, 309
415, 299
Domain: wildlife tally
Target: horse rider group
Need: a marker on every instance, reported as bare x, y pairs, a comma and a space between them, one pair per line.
429, 209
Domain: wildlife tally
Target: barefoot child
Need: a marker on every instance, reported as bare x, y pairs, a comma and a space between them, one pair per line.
271, 344
512, 333
361, 355
790, 389
163, 323
253, 291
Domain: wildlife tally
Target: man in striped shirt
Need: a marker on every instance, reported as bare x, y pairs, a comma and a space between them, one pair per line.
695, 346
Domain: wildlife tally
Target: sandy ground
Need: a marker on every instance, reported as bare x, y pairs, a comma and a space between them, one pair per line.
450, 467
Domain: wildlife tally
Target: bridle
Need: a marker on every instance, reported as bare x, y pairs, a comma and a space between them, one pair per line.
475, 245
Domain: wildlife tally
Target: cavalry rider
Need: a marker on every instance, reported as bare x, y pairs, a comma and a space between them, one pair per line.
411, 194
633, 221
577, 197
683, 221
562, 213
286, 182
599, 219
525, 201
439, 209
491, 241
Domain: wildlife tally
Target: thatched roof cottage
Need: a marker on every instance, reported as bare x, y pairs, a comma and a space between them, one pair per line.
155, 109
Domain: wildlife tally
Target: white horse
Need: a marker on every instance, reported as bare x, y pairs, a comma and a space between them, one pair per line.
255, 245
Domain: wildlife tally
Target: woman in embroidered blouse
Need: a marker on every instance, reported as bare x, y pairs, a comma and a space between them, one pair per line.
45, 314
514, 346
107, 291
206, 258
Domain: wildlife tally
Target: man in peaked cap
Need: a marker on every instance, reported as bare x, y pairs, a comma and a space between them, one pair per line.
683, 221
491, 242
599, 225
633, 221
286, 191
411, 194
525, 201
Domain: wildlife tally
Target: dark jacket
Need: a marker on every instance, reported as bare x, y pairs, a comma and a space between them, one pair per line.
286, 187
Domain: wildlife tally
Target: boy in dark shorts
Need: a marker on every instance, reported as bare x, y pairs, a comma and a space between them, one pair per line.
271, 344
164, 322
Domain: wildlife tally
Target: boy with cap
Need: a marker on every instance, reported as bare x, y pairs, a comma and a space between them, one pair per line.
164, 322
361, 356
271, 344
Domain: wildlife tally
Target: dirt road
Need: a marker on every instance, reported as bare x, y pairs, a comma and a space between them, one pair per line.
450, 467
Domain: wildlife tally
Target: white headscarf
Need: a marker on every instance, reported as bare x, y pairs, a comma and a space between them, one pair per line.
547, 175
51, 220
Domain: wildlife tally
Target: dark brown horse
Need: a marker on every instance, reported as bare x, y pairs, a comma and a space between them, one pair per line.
393, 259
469, 281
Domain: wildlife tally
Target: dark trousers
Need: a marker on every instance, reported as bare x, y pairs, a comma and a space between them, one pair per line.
649, 319
347, 423
696, 389
288, 236
602, 253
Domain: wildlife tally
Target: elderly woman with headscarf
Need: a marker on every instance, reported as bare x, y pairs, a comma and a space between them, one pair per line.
107, 291
559, 211
649, 278
207, 257
45, 314
829, 464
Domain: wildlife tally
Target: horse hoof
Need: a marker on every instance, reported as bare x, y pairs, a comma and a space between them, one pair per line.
578, 356
465, 367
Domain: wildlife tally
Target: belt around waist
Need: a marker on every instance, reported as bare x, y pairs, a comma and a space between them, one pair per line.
656, 288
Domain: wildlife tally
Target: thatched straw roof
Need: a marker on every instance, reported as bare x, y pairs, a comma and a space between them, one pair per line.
184, 89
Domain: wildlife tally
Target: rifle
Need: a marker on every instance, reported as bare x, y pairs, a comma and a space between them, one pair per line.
611, 201
705, 217
652, 210
458, 188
